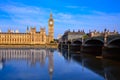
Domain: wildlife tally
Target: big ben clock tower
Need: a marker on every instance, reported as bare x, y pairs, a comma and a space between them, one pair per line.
51, 28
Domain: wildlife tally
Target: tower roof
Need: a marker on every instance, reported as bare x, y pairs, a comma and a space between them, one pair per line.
51, 15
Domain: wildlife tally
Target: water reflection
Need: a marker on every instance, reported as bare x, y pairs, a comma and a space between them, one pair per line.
49, 64
111, 70
1, 65
107, 69
111, 53
32, 56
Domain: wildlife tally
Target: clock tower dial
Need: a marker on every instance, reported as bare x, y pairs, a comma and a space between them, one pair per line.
51, 28
51, 22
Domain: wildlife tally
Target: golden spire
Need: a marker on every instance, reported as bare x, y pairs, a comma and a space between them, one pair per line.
50, 14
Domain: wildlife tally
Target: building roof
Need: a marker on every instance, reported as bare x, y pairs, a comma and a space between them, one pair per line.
12, 33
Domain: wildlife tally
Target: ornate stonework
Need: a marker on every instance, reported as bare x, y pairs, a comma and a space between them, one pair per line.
30, 37
51, 28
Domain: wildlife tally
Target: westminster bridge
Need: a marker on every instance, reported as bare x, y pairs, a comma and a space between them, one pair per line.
111, 40
106, 45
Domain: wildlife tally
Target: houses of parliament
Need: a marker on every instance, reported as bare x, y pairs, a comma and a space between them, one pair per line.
31, 36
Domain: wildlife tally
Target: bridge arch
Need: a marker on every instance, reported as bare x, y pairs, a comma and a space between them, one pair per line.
68, 42
115, 42
63, 42
94, 42
77, 42
60, 42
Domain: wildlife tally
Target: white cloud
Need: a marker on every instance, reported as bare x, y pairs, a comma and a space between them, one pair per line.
81, 8
98, 20
98, 12
28, 15
72, 7
36, 16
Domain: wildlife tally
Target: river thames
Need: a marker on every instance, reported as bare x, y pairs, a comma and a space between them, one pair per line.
52, 64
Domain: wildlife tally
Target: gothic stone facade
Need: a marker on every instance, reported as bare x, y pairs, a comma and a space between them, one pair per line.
68, 35
30, 37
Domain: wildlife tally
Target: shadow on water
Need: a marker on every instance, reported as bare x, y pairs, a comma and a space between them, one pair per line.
111, 62
108, 69
111, 53
92, 50
65, 53
111, 69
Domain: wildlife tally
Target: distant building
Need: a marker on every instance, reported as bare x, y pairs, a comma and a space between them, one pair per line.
59, 36
68, 35
30, 37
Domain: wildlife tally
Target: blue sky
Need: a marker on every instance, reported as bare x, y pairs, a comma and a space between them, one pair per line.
67, 14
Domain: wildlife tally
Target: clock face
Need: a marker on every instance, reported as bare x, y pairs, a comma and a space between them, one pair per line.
51, 22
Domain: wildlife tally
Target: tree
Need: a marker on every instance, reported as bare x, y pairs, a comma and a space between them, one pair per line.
85, 36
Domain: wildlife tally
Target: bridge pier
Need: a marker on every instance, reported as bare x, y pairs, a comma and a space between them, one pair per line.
68, 47
61, 46
105, 40
82, 41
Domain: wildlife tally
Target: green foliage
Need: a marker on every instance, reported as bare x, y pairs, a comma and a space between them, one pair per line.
85, 36
55, 40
